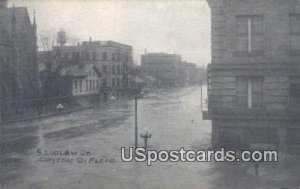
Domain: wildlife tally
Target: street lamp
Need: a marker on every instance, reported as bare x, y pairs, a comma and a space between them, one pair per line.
146, 136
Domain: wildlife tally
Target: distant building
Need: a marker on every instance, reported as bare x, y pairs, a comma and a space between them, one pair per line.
162, 66
191, 74
168, 69
141, 80
19, 69
254, 77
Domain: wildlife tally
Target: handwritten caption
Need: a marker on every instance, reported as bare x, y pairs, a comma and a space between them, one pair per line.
71, 157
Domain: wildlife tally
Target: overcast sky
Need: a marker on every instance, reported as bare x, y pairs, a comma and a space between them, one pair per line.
171, 26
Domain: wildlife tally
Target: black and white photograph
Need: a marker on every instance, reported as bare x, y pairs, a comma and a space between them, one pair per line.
149, 94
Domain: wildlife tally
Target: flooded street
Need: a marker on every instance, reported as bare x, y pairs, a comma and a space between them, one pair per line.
172, 116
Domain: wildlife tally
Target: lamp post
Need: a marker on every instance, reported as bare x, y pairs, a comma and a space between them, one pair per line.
145, 137
136, 92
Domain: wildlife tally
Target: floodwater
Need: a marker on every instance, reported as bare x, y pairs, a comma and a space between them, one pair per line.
173, 117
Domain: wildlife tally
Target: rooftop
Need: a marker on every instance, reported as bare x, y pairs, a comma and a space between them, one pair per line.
17, 14
105, 43
78, 70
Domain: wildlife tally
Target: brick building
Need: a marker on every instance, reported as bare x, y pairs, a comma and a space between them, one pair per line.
254, 76
113, 61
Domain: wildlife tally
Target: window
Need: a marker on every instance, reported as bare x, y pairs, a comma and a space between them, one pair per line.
104, 83
249, 34
80, 85
104, 69
118, 69
294, 38
113, 82
118, 82
250, 92
104, 56
87, 56
94, 85
124, 68
113, 69
295, 92
90, 85
118, 57
113, 56
124, 82
94, 55
76, 86
86, 85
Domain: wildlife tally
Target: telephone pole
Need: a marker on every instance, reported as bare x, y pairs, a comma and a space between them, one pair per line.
136, 123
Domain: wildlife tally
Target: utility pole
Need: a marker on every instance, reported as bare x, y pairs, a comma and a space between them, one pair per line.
136, 124
201, 97
0, 105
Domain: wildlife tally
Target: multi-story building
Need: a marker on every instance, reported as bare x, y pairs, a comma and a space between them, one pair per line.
112, 59
168, 69
19, 69
162, 66
254, 76
191, 75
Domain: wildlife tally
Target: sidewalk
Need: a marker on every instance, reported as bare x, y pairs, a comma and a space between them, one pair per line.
48, 111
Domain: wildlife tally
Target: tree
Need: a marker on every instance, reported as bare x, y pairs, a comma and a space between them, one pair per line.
51, 57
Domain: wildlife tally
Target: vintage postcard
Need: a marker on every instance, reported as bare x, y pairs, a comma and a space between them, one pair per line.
149, 94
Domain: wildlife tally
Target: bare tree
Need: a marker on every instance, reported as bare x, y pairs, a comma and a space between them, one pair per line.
50, 56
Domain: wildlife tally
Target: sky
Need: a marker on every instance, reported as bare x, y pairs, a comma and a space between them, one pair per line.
170, 26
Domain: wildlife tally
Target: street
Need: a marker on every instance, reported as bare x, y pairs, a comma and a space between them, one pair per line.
173, 117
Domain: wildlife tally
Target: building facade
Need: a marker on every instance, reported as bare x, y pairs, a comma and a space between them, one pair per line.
162, 66
19, 69
254, 76
79, 80
112, 59
168, 69
6, 71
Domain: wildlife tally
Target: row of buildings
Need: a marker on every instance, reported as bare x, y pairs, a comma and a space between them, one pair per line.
254, 76
32, 80
105, 68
